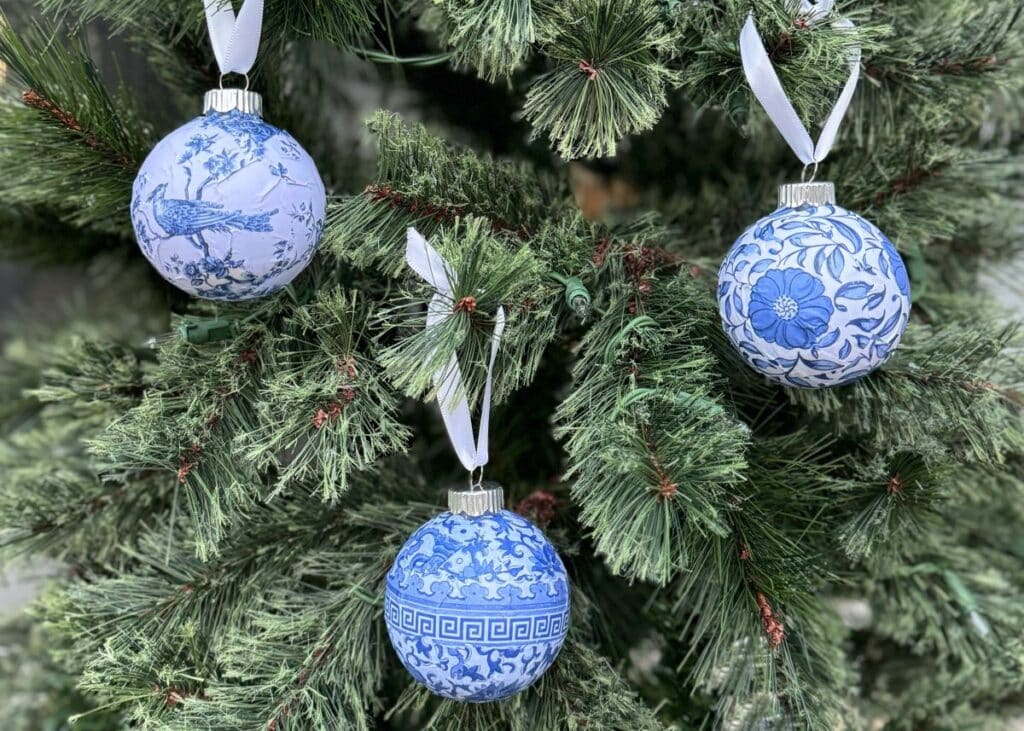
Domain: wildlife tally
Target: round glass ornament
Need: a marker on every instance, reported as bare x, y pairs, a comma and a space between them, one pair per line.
813, 295
228, 207
477, 601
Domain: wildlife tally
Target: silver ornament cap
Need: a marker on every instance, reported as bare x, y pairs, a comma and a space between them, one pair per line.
476, 502
228, 100
794, 195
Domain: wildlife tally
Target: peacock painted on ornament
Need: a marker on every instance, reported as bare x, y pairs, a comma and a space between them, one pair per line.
179, 217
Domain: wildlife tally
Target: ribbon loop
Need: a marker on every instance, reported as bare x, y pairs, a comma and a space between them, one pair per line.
757, 66
814, 10
235, 39
425, 260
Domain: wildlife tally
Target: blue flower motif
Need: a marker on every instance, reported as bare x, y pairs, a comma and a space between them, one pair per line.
546, 561
214, 266
222, 164
899, 270
196, 145
278, 170
200, 143
192, 271
788, 307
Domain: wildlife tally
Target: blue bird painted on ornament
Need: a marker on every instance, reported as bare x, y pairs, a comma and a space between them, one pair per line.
179, 217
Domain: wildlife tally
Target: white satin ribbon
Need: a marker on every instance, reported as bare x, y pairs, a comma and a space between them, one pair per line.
763, 80
813, 10
451, 397
235, 39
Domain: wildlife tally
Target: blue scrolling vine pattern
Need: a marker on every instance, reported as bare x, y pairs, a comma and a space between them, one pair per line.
814, 296
228, 207
477, 608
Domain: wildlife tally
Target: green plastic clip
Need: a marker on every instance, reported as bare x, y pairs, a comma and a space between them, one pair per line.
200, 332
577, 296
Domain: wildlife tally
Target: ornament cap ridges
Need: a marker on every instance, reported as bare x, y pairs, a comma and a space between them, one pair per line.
228, 100
476, 502
794, 195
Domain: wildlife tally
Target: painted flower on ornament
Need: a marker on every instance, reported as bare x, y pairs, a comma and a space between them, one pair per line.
196, 145
222, 164
214, 266
899, 270
789, 307
546, 561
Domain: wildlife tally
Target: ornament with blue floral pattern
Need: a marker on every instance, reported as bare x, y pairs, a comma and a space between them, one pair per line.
228, 207
477, 601
813, 295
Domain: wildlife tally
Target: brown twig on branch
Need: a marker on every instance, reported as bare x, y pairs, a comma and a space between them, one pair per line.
942, 67
895, 484
590, 70
173, 694
784, 47
439, 213
773, 628
188, 461
333, 410
970, 65
34, 100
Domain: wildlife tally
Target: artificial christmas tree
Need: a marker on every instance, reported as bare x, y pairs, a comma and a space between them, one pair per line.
225, 486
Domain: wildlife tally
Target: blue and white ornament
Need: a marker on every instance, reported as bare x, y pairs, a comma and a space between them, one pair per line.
813, 295
228, 207
477, 601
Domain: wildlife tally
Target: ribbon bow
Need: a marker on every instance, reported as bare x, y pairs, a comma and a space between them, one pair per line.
235, 39
451, 396
764, 82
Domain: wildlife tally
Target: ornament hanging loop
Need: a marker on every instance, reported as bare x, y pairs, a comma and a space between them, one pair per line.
243, 75
765, 83
814, 172
813, 10
235, 38
472, 451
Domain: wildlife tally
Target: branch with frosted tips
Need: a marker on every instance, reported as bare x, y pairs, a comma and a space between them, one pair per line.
634, 403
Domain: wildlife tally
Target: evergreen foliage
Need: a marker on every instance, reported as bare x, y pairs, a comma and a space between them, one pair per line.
223, 488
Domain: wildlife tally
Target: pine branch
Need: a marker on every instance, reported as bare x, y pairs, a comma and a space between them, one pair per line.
609, 77
37, 692
758, 636
494, 37
923, 397
92, 141
423, 181
642, 393
34, 100
324, 413
187, 431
